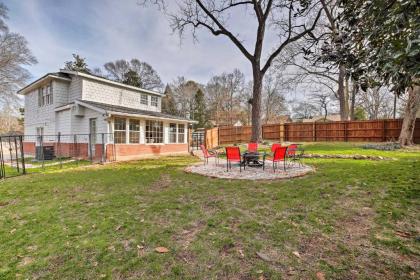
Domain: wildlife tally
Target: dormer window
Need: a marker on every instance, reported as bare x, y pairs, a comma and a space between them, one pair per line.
154, 101
144, 100
45, 95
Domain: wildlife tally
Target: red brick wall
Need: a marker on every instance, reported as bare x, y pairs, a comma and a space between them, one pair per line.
136, 151
29, 148
113, 152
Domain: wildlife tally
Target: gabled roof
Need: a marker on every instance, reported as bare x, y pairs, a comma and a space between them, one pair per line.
120, 110
66, 75
46, 77
108, 81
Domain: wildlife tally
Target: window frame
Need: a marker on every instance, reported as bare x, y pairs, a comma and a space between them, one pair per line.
152, 133
154, 99
179, 133
133, 131
144, 99
173, 133
122, 132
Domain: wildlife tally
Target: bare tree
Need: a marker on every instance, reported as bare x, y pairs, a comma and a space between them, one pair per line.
376, 102
291, 20
224, 92
322, 101
274, 103
134, 72
14, 56
304, 110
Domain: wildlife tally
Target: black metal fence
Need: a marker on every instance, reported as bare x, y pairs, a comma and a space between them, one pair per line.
197, 139
30, 153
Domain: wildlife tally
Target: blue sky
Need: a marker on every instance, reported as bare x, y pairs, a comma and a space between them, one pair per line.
106, 30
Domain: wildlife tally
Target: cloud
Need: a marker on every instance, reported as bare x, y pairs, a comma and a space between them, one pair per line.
106, 30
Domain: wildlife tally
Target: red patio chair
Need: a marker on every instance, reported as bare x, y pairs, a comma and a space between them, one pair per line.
252, 147
208, 154
295, 154
278, 156
233, 154
274, 147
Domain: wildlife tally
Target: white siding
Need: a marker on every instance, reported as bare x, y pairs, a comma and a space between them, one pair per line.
75, 89
101, 92
38, 116
63, 122
80, 125
60, 93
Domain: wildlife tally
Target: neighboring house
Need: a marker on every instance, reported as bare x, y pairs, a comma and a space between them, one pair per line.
280, 119
73, 103
329, 118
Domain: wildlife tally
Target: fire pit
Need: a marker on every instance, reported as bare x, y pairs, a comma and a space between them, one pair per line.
252, 159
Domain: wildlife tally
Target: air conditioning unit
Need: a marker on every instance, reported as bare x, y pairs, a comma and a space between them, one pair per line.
78, 110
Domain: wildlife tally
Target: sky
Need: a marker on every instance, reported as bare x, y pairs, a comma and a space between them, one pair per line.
106, 30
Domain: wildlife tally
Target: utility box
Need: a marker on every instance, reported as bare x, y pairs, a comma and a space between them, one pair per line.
47, 152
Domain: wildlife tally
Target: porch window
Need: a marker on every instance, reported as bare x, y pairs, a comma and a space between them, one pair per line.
134, 131
154, 131
154, 101
181, 133
172, 133
144, 99
119, 131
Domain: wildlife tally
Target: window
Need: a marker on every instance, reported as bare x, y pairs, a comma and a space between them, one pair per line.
134, 131
45, 95
154, 132
40, 97
48, 94
181, 134
154, 101
119, 131
172, 133
144, 99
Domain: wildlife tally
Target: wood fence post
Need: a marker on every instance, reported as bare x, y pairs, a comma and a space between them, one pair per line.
281, 132
313, 131
346, 134
383, 131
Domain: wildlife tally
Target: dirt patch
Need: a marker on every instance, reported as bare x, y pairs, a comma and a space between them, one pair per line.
188, 235
162, 183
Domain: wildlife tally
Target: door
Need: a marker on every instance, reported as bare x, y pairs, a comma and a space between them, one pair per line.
92, 132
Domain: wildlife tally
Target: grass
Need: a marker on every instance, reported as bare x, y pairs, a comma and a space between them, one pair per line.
351, 219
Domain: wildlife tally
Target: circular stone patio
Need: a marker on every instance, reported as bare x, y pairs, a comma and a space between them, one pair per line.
250, 173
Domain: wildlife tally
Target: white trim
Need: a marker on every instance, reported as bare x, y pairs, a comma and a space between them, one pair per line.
35, 84
130, 115
110, 82
63, 108
90, 106
149, 117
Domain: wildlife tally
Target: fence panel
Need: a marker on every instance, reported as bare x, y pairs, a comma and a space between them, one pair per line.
212, 138
360, 131
271, 131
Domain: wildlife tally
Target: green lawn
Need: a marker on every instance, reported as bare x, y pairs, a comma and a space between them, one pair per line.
352, 219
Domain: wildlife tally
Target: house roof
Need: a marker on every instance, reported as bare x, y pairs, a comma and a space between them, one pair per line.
120, 110
66, 75
46, 77
108, 81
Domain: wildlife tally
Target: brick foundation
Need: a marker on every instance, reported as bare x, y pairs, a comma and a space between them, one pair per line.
138, 151
113, 152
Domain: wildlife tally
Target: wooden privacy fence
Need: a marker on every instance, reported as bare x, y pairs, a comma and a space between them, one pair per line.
358, 131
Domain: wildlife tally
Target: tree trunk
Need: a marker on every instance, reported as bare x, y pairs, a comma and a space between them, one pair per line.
256, 104
409, 122
342, 95
354, 92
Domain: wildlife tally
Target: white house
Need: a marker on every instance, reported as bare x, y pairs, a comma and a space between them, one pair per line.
69, 103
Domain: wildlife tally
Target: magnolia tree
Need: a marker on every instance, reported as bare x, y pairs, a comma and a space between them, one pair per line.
384, 37
287, 21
